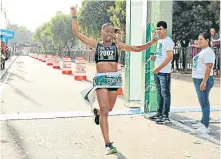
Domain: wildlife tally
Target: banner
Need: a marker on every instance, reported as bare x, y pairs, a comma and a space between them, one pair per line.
5, 35
8, 34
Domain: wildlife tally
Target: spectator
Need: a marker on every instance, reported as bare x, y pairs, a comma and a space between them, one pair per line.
176, 55
202, 74
184, 45
215, 43
6, 52
214, 35
2, 56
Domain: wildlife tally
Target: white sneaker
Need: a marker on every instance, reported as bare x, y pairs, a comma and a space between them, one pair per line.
197, 126
202, 130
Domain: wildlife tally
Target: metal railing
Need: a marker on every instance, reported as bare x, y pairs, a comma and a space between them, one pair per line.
182, 60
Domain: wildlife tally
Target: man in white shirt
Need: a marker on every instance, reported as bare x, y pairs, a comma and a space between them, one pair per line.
162, 73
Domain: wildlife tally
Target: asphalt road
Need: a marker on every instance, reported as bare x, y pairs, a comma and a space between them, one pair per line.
31, 87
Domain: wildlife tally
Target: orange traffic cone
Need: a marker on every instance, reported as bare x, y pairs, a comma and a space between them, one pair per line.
39, 57
56, 62
80, 69
43, 58
67, 65
49, 60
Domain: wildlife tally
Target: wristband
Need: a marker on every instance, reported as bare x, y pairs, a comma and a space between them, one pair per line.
74, 17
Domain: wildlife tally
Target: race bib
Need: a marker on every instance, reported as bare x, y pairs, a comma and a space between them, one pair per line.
107, 53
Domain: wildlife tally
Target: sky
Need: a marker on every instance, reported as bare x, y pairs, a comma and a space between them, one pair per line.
33, 13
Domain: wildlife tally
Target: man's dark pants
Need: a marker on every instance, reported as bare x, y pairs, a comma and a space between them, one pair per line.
162, 81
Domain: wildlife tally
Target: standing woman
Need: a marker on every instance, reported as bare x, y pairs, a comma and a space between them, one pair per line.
202, 74
108, 79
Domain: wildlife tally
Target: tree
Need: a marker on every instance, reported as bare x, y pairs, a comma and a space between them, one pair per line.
214, 13
45, 36
55, 33
190, 18
22, 34
36, 36
118, 17
61, 28
93, 15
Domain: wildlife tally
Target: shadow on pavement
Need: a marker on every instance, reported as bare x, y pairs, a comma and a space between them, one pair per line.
9, 79
21, 71
15, 136
215, 130
215, 133
20, 66
19, 92
19, 62
18, 76
120, 155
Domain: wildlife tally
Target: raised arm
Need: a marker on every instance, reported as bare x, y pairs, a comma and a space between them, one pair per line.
86, 40
122, 46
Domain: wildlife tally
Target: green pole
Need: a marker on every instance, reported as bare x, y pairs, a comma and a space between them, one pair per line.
156, 11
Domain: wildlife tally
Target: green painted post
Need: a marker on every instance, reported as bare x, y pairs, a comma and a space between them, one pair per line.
156, 11
152, 12
150, 104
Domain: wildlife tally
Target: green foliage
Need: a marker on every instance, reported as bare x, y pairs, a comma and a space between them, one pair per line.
22, 34
55, 33
61, 29
37, 34
214, 13
190, 18
92, 15
119, 15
